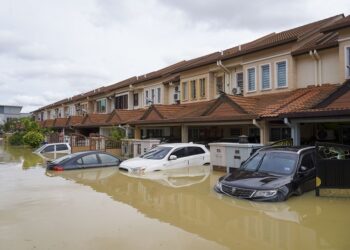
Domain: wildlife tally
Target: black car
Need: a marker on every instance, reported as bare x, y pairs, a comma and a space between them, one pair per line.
81, 160
272, 174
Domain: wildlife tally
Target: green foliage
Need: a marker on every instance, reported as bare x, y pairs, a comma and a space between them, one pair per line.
16, 139
25, 131
33, 138
117, 134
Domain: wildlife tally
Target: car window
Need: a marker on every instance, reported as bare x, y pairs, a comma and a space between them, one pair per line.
253, 163
278, 163
180, 152
89, 159
80, 161
307, 161
195, 151
108, 159
50, 148
156, 153
61, 147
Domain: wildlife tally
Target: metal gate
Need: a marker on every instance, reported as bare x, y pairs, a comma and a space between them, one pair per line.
332, 168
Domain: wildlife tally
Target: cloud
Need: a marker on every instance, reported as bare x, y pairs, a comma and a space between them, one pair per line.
258, 15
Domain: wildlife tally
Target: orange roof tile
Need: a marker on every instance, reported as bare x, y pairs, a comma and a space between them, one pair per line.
60, 122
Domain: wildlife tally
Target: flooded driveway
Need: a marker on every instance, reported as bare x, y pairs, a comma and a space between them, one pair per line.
106, 209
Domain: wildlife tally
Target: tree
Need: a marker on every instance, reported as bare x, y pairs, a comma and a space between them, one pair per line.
33, 139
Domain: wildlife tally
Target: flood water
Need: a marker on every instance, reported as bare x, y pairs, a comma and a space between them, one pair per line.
106, 209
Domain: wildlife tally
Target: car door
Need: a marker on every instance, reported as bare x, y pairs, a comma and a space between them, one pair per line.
89, 161
196, 156
181, 161
305, 177
108, 160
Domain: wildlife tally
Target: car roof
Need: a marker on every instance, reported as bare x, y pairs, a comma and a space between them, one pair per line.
175, 145
293, 149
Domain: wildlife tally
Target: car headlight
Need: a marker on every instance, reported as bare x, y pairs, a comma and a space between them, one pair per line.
265, 193
218, 185
138, 170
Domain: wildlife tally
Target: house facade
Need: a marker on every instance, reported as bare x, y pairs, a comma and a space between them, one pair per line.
288, 84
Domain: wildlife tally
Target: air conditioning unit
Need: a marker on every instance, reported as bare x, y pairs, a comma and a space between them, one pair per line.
237, 91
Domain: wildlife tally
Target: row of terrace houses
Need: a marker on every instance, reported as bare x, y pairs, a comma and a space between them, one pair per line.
293, 83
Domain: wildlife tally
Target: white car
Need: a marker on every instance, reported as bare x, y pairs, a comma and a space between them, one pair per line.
168, 156
54, 148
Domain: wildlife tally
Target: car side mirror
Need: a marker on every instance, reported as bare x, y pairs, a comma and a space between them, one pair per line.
303, 169
172, 157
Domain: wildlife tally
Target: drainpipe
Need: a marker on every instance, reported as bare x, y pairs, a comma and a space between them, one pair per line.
318, 58
226, 70
295, 131
318, 66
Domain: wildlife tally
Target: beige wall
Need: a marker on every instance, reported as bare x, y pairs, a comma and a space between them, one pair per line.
344, 42
196, 78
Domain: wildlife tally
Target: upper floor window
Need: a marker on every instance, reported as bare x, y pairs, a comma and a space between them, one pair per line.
121, 102
152, 95
239, 81
347, 62
202, 87
251, 79
219, 84
159, 95
184, 91
136, 99
265, 77
281, 74
193, 89
101, 105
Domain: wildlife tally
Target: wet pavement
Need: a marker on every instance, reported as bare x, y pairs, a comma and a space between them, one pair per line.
106, 209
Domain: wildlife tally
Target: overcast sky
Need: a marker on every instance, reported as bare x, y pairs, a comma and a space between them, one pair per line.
50, 50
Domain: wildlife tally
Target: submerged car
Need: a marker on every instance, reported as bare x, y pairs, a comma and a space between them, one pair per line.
272, 174
81, 160
54, 148
168, 156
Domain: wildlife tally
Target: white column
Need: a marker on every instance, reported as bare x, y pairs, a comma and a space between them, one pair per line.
184, 133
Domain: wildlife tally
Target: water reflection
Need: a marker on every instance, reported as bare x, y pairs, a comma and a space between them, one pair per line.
301, 223
175, 178
20, 154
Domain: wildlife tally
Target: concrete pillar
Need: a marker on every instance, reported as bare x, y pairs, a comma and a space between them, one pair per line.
265, 133
184, 133
137, 132
295, 133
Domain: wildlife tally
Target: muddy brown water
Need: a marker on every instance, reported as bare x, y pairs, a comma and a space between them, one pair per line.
106, 209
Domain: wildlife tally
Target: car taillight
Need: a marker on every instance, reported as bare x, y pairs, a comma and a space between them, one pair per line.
58, 168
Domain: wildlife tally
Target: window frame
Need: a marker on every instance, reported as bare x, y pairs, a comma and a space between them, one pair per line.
184, 90
136, 100
202, 88
261, 76
97, 105
276, 74
159, 92
347, 61
247, 78
217, 91
124, 101
242, 83
193, 88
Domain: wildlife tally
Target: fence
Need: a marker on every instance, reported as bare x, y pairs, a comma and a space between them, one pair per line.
80, 143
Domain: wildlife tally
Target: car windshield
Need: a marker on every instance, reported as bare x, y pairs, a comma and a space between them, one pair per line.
62, 159
157, 153
272, 162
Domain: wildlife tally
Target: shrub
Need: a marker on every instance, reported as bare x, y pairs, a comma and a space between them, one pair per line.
33, 139
117, 134
16, 139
